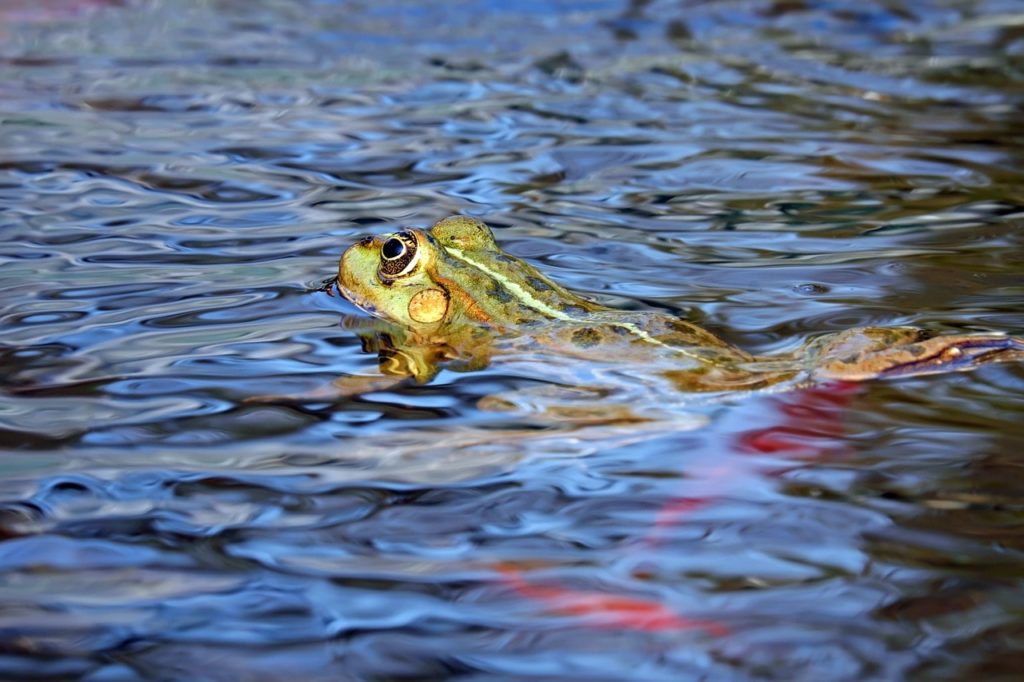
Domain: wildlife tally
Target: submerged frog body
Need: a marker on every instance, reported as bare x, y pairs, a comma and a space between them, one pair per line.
452, 297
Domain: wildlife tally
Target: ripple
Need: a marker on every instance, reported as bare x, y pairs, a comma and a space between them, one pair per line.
194, 478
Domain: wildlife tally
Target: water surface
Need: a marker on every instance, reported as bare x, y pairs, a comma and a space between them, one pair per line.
178, 178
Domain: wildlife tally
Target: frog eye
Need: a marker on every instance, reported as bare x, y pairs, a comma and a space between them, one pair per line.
397, 256
393, 249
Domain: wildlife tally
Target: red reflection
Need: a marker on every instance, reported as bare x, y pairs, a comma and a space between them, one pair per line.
810, 422
812, 417
609, 610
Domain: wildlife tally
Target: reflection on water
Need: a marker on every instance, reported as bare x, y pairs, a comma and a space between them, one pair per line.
178, 178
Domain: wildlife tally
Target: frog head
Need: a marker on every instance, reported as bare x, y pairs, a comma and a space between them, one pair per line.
390, 277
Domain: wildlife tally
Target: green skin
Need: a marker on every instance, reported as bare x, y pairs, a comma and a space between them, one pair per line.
454, 298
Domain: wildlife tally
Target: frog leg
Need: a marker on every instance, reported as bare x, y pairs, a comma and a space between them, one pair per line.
881, 352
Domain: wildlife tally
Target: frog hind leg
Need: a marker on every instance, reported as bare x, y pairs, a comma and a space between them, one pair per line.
875, 352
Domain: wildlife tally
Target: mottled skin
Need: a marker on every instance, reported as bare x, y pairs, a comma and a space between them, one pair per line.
454, 298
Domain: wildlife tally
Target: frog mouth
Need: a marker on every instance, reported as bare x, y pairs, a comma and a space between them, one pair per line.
356, 300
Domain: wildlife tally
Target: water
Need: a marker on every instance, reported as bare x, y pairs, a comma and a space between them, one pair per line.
178, 178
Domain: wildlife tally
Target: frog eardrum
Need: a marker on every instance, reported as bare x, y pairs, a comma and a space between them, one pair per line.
398, 256
428, 306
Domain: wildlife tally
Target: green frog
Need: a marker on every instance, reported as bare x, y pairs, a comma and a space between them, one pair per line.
450, 297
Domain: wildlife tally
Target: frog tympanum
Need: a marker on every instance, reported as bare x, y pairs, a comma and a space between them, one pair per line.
451, 297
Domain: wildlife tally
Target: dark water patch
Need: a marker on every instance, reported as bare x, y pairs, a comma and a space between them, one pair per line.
25, 440
217, 192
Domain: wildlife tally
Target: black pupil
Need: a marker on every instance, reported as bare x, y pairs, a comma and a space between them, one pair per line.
393, 248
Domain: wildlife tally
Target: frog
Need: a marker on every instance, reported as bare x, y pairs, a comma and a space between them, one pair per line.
449, 297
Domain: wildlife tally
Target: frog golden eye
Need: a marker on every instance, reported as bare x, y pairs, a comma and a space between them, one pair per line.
397, 256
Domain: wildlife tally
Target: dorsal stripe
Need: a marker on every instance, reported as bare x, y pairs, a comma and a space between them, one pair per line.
543, 308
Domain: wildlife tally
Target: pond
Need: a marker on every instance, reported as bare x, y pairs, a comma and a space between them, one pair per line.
179, 178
